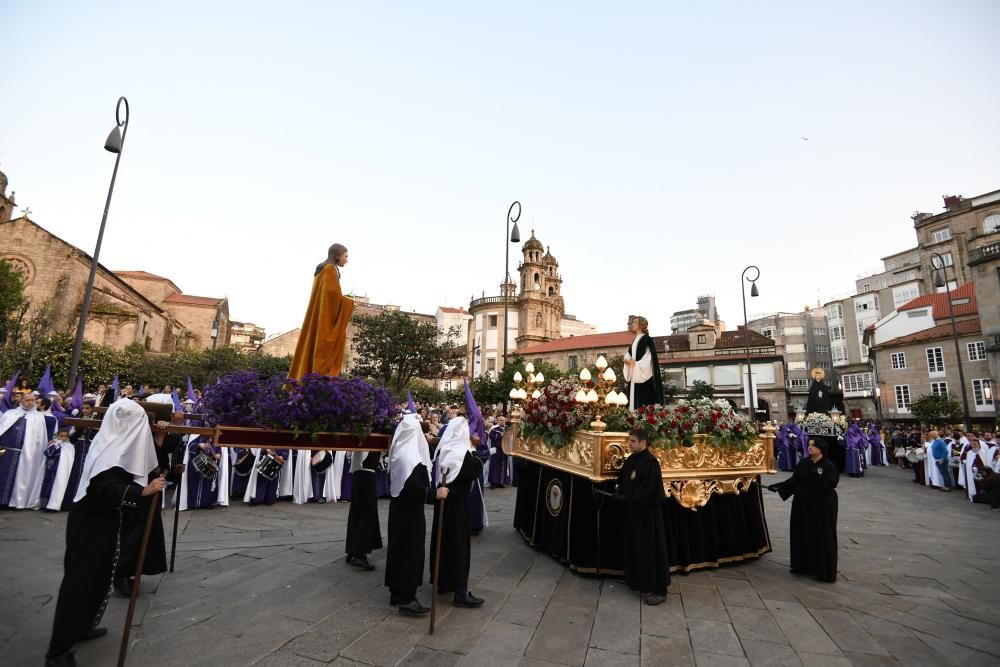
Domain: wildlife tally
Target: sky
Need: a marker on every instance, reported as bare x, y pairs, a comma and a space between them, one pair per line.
658, 148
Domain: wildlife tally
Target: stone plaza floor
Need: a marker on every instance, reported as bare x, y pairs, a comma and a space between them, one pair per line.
919, 584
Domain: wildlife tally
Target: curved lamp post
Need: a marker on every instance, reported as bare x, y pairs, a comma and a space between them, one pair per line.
941, 280
114, 144
512, 236
751, 403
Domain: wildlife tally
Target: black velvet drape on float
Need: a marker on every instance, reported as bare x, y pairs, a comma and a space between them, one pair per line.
560, 514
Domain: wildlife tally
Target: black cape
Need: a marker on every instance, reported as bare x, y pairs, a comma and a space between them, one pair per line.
92, 546
363, 533
404, 563
819, 398
813, 533
649, 392
133, 527
456, 543
640, 486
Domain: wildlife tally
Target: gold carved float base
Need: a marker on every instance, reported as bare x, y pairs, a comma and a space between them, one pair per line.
691, 475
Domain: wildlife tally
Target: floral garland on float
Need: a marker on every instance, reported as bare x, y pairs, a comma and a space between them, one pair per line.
557, 411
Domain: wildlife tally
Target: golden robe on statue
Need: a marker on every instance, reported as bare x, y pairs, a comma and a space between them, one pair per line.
324, 329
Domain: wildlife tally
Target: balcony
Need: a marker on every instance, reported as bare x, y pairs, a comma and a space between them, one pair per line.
984, 253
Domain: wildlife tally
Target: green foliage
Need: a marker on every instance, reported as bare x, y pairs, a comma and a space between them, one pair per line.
423, 393
11, 300
99, 364
933, 409
670, 392
699, 389
393, 349
516, 364
487, 391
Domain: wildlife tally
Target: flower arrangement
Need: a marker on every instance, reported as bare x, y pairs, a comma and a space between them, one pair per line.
555, 415
314, 404
233, 400
818, 423
720, 425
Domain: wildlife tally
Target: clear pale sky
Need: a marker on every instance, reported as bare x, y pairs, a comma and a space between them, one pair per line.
657, 147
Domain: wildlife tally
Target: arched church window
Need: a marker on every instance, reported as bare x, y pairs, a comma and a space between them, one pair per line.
552, 291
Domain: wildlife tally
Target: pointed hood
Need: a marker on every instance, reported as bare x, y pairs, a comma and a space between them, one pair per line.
477, 426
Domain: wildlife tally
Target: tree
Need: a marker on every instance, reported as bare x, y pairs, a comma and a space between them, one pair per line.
394, 349
670, 390
516, 364
487, 391
933, 409
700, 389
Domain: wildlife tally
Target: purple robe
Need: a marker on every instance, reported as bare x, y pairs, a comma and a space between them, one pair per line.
792, 446
12, 441
202, 492
499, 474
878, 447
238, 483
266, 492
51, 453
854, 442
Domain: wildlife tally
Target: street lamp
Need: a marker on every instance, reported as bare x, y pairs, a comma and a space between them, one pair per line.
215, 328
114, 144
751, 404
941, 280
512, 236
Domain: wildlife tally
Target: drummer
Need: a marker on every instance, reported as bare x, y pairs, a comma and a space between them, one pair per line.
261, 490
204, 461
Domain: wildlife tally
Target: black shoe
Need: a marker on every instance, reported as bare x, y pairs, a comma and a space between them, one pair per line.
360, 562
469, 600
394, 600
123, 587
474, 533
94, 633
65, 659
654, 600
414, 608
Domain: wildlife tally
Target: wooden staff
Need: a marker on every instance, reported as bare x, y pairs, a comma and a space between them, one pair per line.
437, 552
177, 507
123, 650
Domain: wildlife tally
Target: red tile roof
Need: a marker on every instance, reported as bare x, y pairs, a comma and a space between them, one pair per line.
716, 359
590, 341
189, 300
446, 309
964, 328
725, 341
939, 302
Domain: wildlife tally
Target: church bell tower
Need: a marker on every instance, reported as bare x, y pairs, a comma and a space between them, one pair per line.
540, 303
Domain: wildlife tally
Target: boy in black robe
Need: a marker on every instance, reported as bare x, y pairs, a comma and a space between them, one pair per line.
121, 454
458, 468
640, 487
363, 532
409, 473
813, 534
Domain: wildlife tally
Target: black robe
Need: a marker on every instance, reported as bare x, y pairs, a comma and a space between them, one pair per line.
456, 542
363, 533
92, 549
133, 527
819, 398
640, 487
649, 392
404, 563
813, 533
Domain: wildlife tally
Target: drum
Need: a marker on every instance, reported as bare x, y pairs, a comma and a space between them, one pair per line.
321, 461
507, 441
244, 464
268, 467
206, 465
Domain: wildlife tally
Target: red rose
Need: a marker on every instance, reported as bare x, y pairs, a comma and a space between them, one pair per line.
687, 426
651, 419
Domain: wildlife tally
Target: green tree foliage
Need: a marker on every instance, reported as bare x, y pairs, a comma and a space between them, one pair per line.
516, 364
487, 391
670, 390
133, 365
394, 349
700, 389
934, 409
11, 301
424, 393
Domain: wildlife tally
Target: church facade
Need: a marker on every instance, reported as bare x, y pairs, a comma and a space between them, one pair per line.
127, 307
536, 313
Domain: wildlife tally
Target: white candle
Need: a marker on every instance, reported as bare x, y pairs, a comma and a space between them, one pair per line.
601, 362
581, 396
609, 375
529, 367
539, 378
518, 377
592, 396
585, 375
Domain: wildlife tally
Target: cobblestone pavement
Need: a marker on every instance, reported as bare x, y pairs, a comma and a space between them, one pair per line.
919, 585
